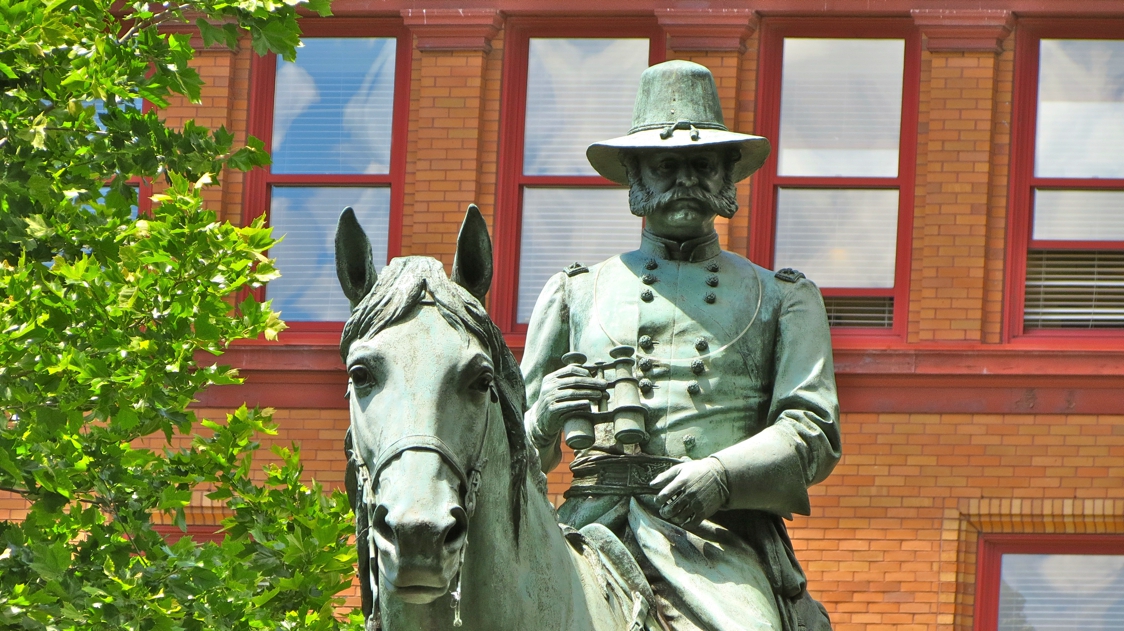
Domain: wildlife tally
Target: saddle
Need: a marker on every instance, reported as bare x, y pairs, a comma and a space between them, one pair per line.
616, 568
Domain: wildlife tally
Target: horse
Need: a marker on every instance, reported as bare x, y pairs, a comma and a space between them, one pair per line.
453, 524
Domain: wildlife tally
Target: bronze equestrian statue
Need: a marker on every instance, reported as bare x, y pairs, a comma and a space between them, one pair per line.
696, 386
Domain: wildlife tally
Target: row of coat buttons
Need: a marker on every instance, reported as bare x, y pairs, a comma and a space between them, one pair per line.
647, 386
651, 264
646, 342
697, 366
648, 279
645, 364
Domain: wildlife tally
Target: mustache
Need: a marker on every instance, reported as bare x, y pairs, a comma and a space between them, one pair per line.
643, 201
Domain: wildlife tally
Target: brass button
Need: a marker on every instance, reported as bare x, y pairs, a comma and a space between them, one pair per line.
648, 279
693, 387
712, 280
698, 366
651, 264
647, 295
646, 342
645, 363
712, 266
710, 298
688, 441
645, 385
700, 343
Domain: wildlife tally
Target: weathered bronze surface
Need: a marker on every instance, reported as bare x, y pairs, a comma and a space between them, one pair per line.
453, 524
734, 370
697, 387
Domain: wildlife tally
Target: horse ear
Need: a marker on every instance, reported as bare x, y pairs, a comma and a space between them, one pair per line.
472, 264
354, 265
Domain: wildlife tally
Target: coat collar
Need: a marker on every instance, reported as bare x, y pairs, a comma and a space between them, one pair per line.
693, 251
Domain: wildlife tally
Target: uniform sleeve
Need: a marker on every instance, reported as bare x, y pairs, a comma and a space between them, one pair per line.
773, 469
548, 339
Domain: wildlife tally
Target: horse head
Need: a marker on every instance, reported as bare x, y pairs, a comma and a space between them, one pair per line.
432, 387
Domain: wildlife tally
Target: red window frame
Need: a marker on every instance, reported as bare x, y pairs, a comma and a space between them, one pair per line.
256, 199
989, 562
511, 180
767, 182
1023, 180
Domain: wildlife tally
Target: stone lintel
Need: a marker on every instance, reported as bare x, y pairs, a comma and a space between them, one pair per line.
453, 29
955, 30
707, 29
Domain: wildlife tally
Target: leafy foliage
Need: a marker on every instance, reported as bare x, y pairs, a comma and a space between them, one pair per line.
102, 315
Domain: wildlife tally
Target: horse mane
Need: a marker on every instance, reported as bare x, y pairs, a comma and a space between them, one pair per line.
400, 289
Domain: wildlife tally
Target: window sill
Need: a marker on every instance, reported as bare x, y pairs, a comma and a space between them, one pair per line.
930, 379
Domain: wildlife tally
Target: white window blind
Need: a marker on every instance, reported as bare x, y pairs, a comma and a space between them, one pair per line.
566, 225
839, 237
1074, 289
579, 91
308, 290
1080, 109
841, 107
1061, 592
333, 107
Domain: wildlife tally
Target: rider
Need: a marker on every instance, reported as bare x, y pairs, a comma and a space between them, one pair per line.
733, 365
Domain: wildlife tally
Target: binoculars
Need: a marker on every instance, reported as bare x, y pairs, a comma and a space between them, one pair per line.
622, 407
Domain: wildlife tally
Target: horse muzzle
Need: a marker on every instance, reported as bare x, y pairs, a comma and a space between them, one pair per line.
420, 528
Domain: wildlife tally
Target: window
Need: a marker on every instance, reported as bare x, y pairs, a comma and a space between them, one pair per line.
1067, 187
835, 198
333, 122
567, 84
1042, 582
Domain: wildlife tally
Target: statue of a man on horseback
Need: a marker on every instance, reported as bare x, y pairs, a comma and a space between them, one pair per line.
731, 364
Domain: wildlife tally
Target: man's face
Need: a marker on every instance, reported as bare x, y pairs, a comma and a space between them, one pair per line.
679, 192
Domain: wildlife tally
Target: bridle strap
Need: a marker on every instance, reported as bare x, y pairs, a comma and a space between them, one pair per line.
419, 442
469, 478
369, 478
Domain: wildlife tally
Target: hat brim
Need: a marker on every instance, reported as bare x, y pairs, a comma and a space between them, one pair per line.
604, 156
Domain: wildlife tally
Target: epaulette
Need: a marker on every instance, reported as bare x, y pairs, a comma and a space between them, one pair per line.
789, 275
575, 269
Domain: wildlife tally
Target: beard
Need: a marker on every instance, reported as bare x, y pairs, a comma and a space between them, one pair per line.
643, 201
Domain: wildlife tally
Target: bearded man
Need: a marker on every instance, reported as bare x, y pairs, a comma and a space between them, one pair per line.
733, 366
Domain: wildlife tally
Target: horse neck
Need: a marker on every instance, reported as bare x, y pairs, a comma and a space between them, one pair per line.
506, 585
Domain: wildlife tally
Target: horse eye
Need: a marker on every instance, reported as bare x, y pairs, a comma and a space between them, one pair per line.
360, 376
484, 382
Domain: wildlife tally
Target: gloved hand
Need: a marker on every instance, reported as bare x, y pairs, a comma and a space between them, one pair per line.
565, 391
691, 491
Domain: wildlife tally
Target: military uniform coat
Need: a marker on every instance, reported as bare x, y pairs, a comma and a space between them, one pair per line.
734, 362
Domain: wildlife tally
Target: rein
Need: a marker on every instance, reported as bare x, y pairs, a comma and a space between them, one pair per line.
469, 478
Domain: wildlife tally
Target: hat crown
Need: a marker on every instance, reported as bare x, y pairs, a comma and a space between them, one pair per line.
677, 91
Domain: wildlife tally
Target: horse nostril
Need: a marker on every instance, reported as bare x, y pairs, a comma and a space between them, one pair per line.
378, 523
459, 530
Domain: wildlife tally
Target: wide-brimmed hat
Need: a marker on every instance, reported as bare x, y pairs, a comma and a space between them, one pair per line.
677, 107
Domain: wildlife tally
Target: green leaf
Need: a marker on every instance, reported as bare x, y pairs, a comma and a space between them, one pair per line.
211, 34
9, 466
265, 597
51, 561
276, 37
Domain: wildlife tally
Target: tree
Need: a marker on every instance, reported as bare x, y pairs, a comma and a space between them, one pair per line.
102, 313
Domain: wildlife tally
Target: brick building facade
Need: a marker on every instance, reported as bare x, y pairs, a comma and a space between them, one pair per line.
975, 428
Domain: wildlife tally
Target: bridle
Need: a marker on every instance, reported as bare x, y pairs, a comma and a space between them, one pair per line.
469, 477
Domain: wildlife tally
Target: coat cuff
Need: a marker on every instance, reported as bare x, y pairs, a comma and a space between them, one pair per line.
764, 473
